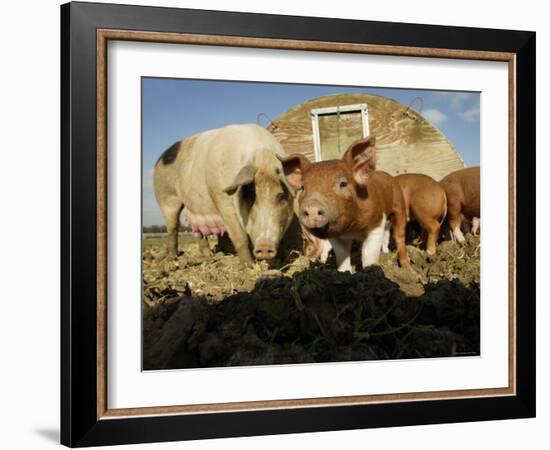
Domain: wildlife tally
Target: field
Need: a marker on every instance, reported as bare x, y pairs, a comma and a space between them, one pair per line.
206, 310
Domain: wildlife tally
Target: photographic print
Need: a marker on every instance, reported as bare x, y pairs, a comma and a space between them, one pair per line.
292, 223
305, 213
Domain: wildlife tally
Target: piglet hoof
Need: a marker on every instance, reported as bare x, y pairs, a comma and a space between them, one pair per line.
459, 236
405, 262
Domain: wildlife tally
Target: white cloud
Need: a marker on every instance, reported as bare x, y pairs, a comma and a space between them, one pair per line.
464, 104
470, 114
459, 98
148, 179
456, 99
435, 116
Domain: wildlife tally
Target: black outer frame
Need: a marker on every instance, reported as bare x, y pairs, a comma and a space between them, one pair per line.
79, 424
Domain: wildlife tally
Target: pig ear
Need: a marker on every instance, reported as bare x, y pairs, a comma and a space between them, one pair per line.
293, 167
361, 158
245, 176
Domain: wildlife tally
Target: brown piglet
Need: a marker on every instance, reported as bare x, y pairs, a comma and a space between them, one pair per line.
313, 248
462, 190
347, 199
425, 202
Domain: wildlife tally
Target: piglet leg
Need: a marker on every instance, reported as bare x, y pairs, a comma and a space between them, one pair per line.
457, 232
475, 225
431, 228
326, 247
386, 242
342, 251
454, 218
399, 228
370, 250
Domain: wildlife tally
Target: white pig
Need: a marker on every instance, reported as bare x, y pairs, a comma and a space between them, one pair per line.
229, 180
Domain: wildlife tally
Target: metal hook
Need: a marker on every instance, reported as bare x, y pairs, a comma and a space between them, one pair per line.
271, 123
409, 107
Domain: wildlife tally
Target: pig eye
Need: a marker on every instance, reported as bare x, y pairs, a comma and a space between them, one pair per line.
342, 183
281, 199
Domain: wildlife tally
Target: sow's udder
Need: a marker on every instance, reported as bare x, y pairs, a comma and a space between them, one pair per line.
205, 224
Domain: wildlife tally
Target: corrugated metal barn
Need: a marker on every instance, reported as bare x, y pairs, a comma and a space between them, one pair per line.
323, 128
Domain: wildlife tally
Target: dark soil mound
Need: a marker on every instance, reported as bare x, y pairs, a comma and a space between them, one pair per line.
314, 315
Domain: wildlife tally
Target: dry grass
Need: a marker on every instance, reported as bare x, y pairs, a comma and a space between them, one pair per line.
220, 275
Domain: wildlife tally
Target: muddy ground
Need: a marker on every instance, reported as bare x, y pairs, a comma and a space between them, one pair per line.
203, 311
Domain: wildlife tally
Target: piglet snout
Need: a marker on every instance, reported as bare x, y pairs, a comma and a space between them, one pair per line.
313, 214
264, 249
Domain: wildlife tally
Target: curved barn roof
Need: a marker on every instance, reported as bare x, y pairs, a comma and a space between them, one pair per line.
406, 141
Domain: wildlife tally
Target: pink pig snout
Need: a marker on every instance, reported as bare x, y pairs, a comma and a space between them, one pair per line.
265, 249
313, 214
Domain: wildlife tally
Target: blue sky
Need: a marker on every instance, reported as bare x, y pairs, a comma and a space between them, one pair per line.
176, 108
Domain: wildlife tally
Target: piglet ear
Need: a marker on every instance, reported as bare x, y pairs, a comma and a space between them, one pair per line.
294, 167
361, 158
245, 176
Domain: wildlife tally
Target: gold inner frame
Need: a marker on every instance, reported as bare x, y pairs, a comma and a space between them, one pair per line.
103, 36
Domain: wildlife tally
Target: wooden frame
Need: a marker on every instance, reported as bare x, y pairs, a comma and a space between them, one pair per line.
315, 113
85, 417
